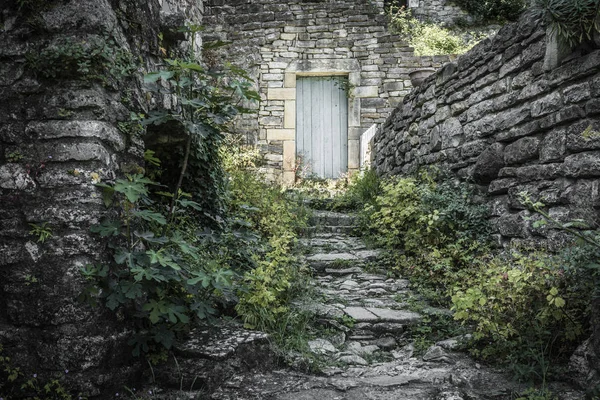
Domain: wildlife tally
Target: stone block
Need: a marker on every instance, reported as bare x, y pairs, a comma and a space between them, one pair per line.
582, 165
289, 116
289, 155
355, 132
511, 226
289, 80
281, 94
364, 91
354, 112
353, 154
551, 103
281, 134
522, 150
553, 146
576, 93
76, 129
489, 163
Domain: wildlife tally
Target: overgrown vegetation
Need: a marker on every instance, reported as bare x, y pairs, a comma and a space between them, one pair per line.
14, 383
527, 308
427, 38
171, 268
98, 58
573, 21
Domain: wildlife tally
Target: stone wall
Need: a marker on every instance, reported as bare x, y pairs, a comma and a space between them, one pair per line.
276, 42
495, 116
58, 137
441, 11
499, 118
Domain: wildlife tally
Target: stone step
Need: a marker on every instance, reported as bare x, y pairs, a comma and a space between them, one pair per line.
330, 218
323, 262
321, 243
374, 315
345, 230
210, 354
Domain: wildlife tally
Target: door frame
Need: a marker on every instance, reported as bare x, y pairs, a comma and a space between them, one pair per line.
317, 67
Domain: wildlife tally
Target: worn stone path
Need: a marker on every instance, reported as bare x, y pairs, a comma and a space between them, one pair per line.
366, 345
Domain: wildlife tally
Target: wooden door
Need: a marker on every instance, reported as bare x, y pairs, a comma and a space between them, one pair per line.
322, 125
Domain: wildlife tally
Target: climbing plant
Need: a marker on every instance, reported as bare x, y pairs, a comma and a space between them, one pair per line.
163, 274
205, 101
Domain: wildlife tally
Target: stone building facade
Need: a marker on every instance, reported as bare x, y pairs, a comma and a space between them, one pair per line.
59, 135
280, 42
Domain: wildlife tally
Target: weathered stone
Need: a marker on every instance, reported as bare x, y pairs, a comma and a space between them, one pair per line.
15, 176
353, 360
522, 150
489, 163
361, 314
321, 346
582, 165
436, 353
398, 316
553, 147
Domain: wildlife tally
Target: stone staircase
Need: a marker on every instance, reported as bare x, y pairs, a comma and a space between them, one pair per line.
365, 344
352, 290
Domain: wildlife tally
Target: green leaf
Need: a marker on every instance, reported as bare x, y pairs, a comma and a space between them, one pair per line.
123, 256
107, 228
153, 77
131, 290
156, 310
165, 337
132, 189
162, 258
190, 204
559, 302
151, 216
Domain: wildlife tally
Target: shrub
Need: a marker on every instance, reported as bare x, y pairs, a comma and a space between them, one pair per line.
264, 209
429, 39
529, 309
363, 188
419, 213
161, 276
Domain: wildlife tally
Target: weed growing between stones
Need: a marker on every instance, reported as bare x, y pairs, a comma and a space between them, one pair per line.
98, 58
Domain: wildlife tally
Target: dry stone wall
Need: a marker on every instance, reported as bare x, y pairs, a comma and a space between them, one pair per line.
498, 118
278, 42
59, 135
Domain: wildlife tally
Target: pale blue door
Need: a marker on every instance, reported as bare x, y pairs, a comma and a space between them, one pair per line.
322, 125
